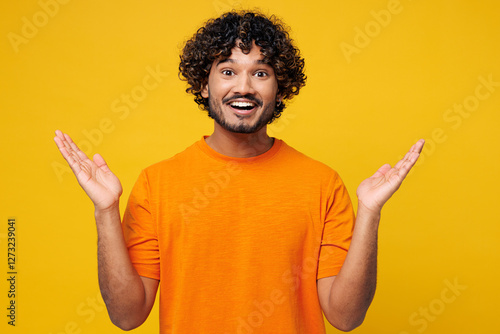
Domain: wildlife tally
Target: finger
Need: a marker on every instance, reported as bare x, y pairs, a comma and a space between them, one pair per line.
412, 155
417, 147
63, 146
408, 163
66, 140
59, 142
402, 161
63, 142
70, 144
74, 150
59, 139
59, 134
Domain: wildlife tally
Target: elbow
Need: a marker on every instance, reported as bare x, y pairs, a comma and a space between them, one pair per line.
125, 327
125, 323
346, 323
348, 326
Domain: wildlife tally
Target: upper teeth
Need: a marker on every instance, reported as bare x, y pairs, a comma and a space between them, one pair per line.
242, 104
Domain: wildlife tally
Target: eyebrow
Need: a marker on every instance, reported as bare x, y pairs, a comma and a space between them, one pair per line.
232, 61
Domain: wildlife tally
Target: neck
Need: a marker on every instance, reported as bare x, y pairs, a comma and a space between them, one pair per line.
239, 145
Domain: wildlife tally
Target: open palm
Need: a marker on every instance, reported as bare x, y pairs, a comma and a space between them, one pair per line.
95, 177
374, 192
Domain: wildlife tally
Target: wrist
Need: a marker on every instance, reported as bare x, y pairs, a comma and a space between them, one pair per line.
366, 210
367, 216
108, 211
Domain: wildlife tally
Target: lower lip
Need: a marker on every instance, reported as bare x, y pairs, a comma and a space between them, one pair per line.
243, 112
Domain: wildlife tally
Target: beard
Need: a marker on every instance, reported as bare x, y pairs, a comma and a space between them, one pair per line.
215, 112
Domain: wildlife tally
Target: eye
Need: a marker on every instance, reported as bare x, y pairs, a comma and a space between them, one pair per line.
227, 72
261, 74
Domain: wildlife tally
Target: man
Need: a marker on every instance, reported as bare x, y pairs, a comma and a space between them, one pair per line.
243, 233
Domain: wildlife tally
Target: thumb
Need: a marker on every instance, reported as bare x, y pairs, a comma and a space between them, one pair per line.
382, 170
100, 162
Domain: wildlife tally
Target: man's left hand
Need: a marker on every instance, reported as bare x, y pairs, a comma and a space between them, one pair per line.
374, 192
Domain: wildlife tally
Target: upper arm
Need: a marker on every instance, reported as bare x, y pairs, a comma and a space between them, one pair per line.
150, 289
324, 288
335, 316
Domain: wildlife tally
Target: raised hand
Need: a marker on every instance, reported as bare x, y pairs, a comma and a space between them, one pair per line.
95, 177
374, 192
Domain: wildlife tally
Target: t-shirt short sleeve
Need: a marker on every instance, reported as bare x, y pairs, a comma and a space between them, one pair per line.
337, 230
140, 231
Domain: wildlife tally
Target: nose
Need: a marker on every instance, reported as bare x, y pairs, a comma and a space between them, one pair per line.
244, 84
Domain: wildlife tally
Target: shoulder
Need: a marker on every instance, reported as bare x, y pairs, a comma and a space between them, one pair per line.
174, 164
305, 162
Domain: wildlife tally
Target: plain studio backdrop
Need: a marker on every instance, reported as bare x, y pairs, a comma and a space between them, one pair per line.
381, 74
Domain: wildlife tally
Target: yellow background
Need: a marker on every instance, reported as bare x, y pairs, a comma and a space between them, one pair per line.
360, 109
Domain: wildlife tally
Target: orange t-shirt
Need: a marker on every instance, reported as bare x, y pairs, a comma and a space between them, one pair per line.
238, 243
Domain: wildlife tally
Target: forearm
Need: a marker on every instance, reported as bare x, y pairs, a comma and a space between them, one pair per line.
345, 298
353, 289
121, 287
128, 296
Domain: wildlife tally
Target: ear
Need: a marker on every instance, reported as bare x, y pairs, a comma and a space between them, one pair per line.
204, 91
279, 99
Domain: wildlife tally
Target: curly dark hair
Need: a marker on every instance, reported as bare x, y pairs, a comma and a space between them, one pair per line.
219, 36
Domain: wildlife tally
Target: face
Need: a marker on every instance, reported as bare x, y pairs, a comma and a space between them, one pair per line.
242, 91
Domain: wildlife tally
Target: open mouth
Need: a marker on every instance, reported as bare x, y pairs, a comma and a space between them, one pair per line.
243, 107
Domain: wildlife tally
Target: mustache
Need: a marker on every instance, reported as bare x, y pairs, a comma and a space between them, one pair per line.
247, 96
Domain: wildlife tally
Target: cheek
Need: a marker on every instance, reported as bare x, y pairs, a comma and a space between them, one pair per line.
271, 95
219, 89
269, 90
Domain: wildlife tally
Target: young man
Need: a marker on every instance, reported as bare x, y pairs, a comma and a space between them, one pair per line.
243, 233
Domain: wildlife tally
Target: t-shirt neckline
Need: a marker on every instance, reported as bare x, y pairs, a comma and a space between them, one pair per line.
202, 145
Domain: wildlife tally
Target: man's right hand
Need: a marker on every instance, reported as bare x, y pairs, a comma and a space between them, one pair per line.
128, 296
95, 177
